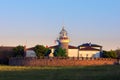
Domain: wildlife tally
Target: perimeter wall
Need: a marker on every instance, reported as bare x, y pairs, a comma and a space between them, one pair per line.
61, 61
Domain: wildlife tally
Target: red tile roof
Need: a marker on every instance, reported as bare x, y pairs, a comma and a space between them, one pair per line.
70, 47
32, 48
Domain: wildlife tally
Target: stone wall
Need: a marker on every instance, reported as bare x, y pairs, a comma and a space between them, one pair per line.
61, 61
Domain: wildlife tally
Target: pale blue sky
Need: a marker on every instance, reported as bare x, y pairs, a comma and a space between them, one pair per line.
40, 21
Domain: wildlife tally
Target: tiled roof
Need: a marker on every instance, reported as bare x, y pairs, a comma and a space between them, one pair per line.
6, 48
32, 48
89, 44
53, 46
70, 47
5, 51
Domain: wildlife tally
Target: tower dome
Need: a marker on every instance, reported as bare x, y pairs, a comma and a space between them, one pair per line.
63, 33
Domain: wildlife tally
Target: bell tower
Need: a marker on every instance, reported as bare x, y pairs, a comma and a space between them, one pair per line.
63, 40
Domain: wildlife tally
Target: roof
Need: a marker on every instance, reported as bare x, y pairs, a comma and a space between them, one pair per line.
6, 48
32, 48
89, 44
89, 49
6, 51
70, 47
63, 31
53, 46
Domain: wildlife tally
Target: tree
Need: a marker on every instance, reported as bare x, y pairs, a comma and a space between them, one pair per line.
118, 53
47, 51
41, 51
18, 51
109, 54
59, 52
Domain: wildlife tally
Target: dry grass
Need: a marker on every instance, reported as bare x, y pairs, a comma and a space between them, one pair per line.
24, 68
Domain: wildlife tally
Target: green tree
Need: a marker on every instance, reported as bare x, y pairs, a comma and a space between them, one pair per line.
41, 51
59, 52
109, 54
118, 53
18, 51
47, 51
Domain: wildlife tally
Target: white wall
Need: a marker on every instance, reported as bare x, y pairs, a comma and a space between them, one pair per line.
30, 53
51, 54
73, 52
95, 54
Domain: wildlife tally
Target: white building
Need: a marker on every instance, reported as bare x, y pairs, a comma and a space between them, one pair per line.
89, 50
84, 50
29, 52
72, 50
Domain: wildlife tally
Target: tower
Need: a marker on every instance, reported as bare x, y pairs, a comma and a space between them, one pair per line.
63, 40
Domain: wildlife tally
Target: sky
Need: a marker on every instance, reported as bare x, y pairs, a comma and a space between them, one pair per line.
32, 22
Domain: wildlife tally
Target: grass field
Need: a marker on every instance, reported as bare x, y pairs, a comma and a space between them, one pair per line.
60, 73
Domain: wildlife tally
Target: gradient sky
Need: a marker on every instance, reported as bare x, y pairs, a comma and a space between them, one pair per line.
34, 22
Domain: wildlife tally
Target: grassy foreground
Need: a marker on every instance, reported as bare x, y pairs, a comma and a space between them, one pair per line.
60, 73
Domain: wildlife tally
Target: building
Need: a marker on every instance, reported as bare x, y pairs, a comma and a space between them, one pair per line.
29, 52
63, 42
84, 50
72, 50
89, 50
5, 53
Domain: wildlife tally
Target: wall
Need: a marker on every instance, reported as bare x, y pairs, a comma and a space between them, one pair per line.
73, 53
30, 53
62, 62
51, 54
95, 54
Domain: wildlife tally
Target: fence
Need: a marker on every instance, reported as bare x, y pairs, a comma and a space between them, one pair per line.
61, 61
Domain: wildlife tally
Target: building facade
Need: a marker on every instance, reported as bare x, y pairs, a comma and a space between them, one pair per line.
89, 50
84, 50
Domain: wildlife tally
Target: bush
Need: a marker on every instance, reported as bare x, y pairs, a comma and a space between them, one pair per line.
41, 51
59, 52
109, 54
